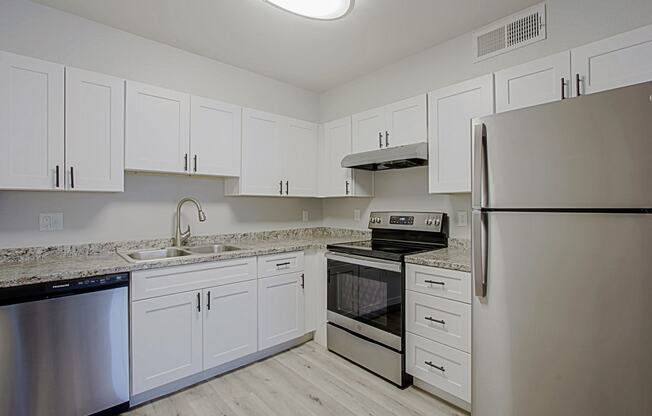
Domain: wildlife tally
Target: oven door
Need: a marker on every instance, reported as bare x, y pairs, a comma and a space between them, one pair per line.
365, 296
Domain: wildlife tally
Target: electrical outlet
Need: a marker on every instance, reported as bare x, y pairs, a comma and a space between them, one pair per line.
52, 221
356, 215
305, 216
462, 218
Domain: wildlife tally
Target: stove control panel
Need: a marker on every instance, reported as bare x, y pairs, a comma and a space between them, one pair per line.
415, 221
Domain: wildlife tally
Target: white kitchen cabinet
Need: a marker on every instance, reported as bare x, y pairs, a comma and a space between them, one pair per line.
94, 131
336, 181
451, 110
31, 123
542, 81
618, 61
230, 322
281, 314
403, 122
157, 129
166, 339
299, 158
215, 131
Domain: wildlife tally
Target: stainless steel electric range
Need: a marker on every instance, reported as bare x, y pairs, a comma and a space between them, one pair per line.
366, 290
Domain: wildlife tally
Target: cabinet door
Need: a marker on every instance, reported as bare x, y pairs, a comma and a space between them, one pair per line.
368, 130
300, 158
280, 309
94, 131
451, 110
337, 144
31, 123
157, 129
166, 339
215, 129
261, 142
537, 82
621, 60
230, 322
406, 122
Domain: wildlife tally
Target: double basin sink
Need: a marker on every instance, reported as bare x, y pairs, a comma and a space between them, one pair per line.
138, 256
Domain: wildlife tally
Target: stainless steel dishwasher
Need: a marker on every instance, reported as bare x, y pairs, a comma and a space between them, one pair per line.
64, 347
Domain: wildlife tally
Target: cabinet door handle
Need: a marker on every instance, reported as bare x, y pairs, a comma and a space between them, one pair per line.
208, 300
57, 176
563, 88
195, 158
386, 138
431, 319
280, 187
430, 364
380, 139
347, 187
185, 162
578, 83
434, 282
287, 187
282, 265
72, 177
303, 281
198, 302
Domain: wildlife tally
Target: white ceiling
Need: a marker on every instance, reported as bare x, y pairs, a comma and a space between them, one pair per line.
315, 55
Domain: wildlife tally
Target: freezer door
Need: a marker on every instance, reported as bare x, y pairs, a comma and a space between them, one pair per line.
565, 328
593, 151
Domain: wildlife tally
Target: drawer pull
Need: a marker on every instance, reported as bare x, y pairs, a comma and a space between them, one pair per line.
431, 319
279, 265
434, 282
430, 364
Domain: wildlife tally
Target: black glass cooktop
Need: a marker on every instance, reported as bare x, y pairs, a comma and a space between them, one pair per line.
382, 249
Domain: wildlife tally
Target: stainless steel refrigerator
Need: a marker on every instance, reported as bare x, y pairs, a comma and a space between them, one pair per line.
562, 258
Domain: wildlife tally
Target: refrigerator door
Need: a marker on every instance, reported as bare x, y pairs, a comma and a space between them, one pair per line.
565, 328
593, 151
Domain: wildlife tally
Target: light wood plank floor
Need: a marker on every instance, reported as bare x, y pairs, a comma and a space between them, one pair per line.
308, 381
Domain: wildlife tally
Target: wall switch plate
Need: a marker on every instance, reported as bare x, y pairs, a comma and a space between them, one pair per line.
356, 215
51, 221
305, 216
462, 218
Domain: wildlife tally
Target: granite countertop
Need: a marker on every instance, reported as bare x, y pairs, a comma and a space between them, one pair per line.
456, 257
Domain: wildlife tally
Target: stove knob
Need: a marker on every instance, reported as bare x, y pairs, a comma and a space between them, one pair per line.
429, 221
378, 220
437, 222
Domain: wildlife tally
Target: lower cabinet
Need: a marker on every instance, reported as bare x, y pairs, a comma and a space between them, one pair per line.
280, 309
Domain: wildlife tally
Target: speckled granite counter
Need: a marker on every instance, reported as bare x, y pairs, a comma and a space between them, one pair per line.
43, 264
456, 257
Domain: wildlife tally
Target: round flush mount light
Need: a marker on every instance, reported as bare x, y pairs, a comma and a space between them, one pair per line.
315, 9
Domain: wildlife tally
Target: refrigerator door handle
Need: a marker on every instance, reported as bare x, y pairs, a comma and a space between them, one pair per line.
478, 252
479, 158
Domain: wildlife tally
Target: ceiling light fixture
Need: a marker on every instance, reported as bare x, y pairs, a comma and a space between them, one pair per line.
315, 9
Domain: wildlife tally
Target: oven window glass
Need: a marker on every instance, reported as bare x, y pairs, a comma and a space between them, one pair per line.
365, 294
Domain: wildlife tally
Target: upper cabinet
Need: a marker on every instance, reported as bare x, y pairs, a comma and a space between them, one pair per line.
157, 129
31, 123
537, 82
215, 131
279, 156
451, 110
94, 131
396, 124
37, 154
334, 180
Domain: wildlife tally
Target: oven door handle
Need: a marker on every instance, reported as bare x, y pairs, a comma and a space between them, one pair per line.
391, 266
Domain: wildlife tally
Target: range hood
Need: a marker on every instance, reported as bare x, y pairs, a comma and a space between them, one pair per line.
399, 157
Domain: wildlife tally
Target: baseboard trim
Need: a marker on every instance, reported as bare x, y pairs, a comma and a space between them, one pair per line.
177, 385
428, 388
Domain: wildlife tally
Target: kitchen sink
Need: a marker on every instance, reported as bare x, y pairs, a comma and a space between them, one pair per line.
211, 249
156, 254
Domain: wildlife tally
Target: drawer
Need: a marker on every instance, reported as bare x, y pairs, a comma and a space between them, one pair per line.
438, 319
283, 263
176, 279
443, 367
449, 284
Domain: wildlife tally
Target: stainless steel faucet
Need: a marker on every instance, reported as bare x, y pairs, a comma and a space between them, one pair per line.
180, 238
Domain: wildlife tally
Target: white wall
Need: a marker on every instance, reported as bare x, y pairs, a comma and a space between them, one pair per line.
146, 209
570, 23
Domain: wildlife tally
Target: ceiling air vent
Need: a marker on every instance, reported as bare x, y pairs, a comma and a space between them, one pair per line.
512, 32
